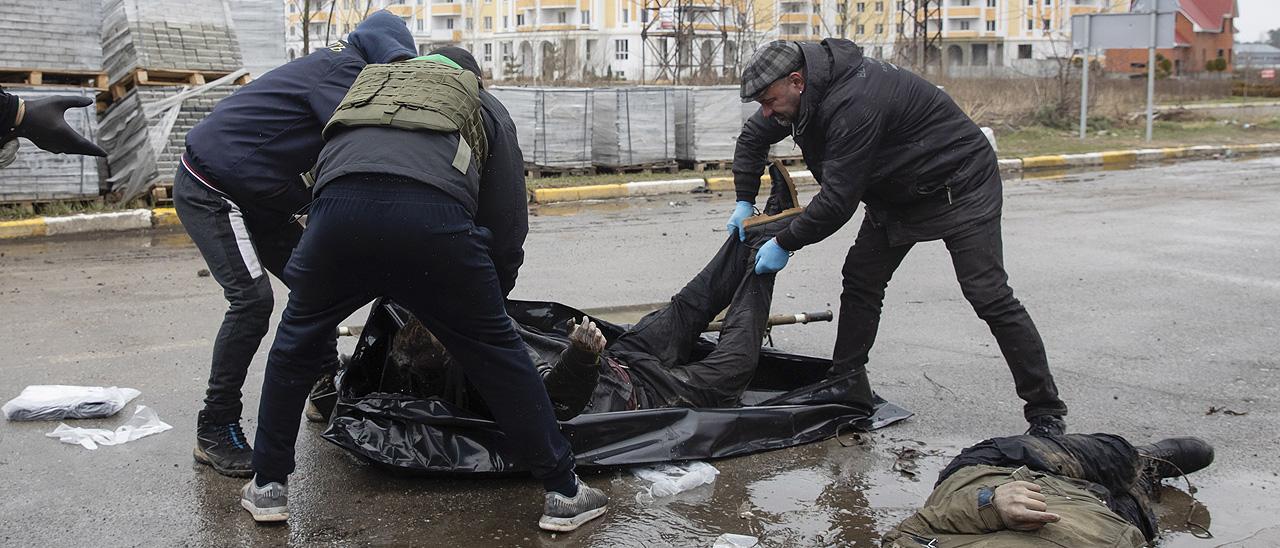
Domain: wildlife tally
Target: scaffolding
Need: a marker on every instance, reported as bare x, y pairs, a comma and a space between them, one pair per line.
918, 45
684, 42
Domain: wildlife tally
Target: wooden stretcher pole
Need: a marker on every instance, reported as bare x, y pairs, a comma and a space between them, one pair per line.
795, 199
783, 319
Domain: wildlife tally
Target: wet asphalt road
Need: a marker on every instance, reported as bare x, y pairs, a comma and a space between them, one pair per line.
1156, 291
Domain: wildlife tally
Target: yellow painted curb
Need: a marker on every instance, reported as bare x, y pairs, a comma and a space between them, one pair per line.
1039, 162
571, 194
23, 228
717, 184
165, 216
1119, 157
1176, 152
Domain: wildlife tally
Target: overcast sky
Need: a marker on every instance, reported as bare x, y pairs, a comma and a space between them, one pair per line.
1256, 18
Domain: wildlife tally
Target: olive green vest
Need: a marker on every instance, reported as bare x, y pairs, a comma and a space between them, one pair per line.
418, 94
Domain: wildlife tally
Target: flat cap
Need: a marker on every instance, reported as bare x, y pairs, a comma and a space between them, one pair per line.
771, 62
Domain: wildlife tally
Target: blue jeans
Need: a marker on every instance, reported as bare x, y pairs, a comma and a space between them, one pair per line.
370, 236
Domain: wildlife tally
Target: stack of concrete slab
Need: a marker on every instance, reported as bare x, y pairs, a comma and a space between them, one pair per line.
553, 124
707, 123
633, 127
144, 130
168, 35
37, 175
39, 34
260, 30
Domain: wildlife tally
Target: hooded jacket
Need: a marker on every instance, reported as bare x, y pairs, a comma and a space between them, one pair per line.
256, 143
873, 132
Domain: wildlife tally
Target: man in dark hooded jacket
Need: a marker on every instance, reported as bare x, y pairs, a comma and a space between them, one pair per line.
238, 191
872, 132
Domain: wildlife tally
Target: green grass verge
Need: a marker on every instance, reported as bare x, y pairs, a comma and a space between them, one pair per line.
1038, 141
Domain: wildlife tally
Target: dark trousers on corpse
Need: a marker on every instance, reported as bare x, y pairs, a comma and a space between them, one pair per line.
669, 334
371, 236
978, 257
239, 253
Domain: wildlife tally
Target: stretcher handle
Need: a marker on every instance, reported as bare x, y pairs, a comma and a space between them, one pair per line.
783, 319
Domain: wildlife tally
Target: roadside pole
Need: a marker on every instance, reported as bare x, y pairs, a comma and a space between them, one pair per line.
1151, 74
1084, 81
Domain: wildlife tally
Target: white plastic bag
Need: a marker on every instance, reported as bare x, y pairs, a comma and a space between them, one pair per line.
730, 540
51, 402
145, 422
670, 479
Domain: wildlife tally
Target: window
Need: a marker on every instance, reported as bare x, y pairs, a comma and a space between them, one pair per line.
991, 3
471, 23
586, 17
1024, 51
421, 25
506, 51
879, 28
626, 15
991, 26
293, 8
962, 25
1048, 2
841, 7
1031, 25
488, 53
488, 22
861, 7
860, 29
816, 30
965, 3
620, 49
448, 23
879, 7
902, 28
591, 47
506, 22
1046, 24
519, 19
562, 16
293, 31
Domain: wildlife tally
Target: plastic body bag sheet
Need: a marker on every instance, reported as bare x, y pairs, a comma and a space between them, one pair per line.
377, 420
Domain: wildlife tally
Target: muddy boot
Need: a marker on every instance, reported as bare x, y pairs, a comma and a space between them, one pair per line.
1047, 426
223, 447
1173, 457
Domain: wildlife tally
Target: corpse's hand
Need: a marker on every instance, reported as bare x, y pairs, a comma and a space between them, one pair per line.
1022, 507
771, 257
43, 123
586, 336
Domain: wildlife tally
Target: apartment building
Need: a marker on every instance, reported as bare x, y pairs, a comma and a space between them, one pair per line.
554, 40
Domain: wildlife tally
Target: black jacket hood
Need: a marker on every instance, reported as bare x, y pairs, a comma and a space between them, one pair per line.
383, 38
824, 64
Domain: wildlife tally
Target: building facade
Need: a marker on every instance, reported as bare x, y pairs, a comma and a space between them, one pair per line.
1204, 31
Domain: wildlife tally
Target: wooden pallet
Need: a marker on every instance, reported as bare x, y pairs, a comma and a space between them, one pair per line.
162, 195
790, 160
54, 77
714, 165
533, 171
160, 77
661, 167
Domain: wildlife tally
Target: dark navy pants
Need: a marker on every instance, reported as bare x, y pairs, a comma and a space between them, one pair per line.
240, 251
369, 236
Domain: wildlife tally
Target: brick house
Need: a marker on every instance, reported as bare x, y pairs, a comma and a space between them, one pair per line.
1204, 30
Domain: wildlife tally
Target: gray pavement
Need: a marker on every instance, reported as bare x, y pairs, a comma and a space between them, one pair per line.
1155, 290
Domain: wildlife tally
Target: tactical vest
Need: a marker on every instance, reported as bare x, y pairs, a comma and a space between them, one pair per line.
417, 95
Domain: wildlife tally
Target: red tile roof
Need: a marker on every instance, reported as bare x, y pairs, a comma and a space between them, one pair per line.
1208, 15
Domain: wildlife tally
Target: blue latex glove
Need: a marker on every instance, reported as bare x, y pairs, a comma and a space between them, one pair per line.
771, 257
740, 213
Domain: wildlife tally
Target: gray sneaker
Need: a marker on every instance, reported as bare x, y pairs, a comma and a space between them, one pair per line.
561, 513
267, 503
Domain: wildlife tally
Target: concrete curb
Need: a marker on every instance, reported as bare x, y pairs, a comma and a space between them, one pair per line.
166, 216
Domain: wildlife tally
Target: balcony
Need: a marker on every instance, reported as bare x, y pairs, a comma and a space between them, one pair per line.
798, 19
445, 9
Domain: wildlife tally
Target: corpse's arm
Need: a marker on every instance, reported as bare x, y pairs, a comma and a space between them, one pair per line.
852, 140
751, 154
572, 379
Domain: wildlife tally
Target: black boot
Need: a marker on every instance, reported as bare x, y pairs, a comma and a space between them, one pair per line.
223, 447
1046, 426
1173, 457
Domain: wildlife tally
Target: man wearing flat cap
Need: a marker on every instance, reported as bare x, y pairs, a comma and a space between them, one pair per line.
875, 133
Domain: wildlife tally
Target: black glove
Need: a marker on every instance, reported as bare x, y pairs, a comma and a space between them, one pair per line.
44, 125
